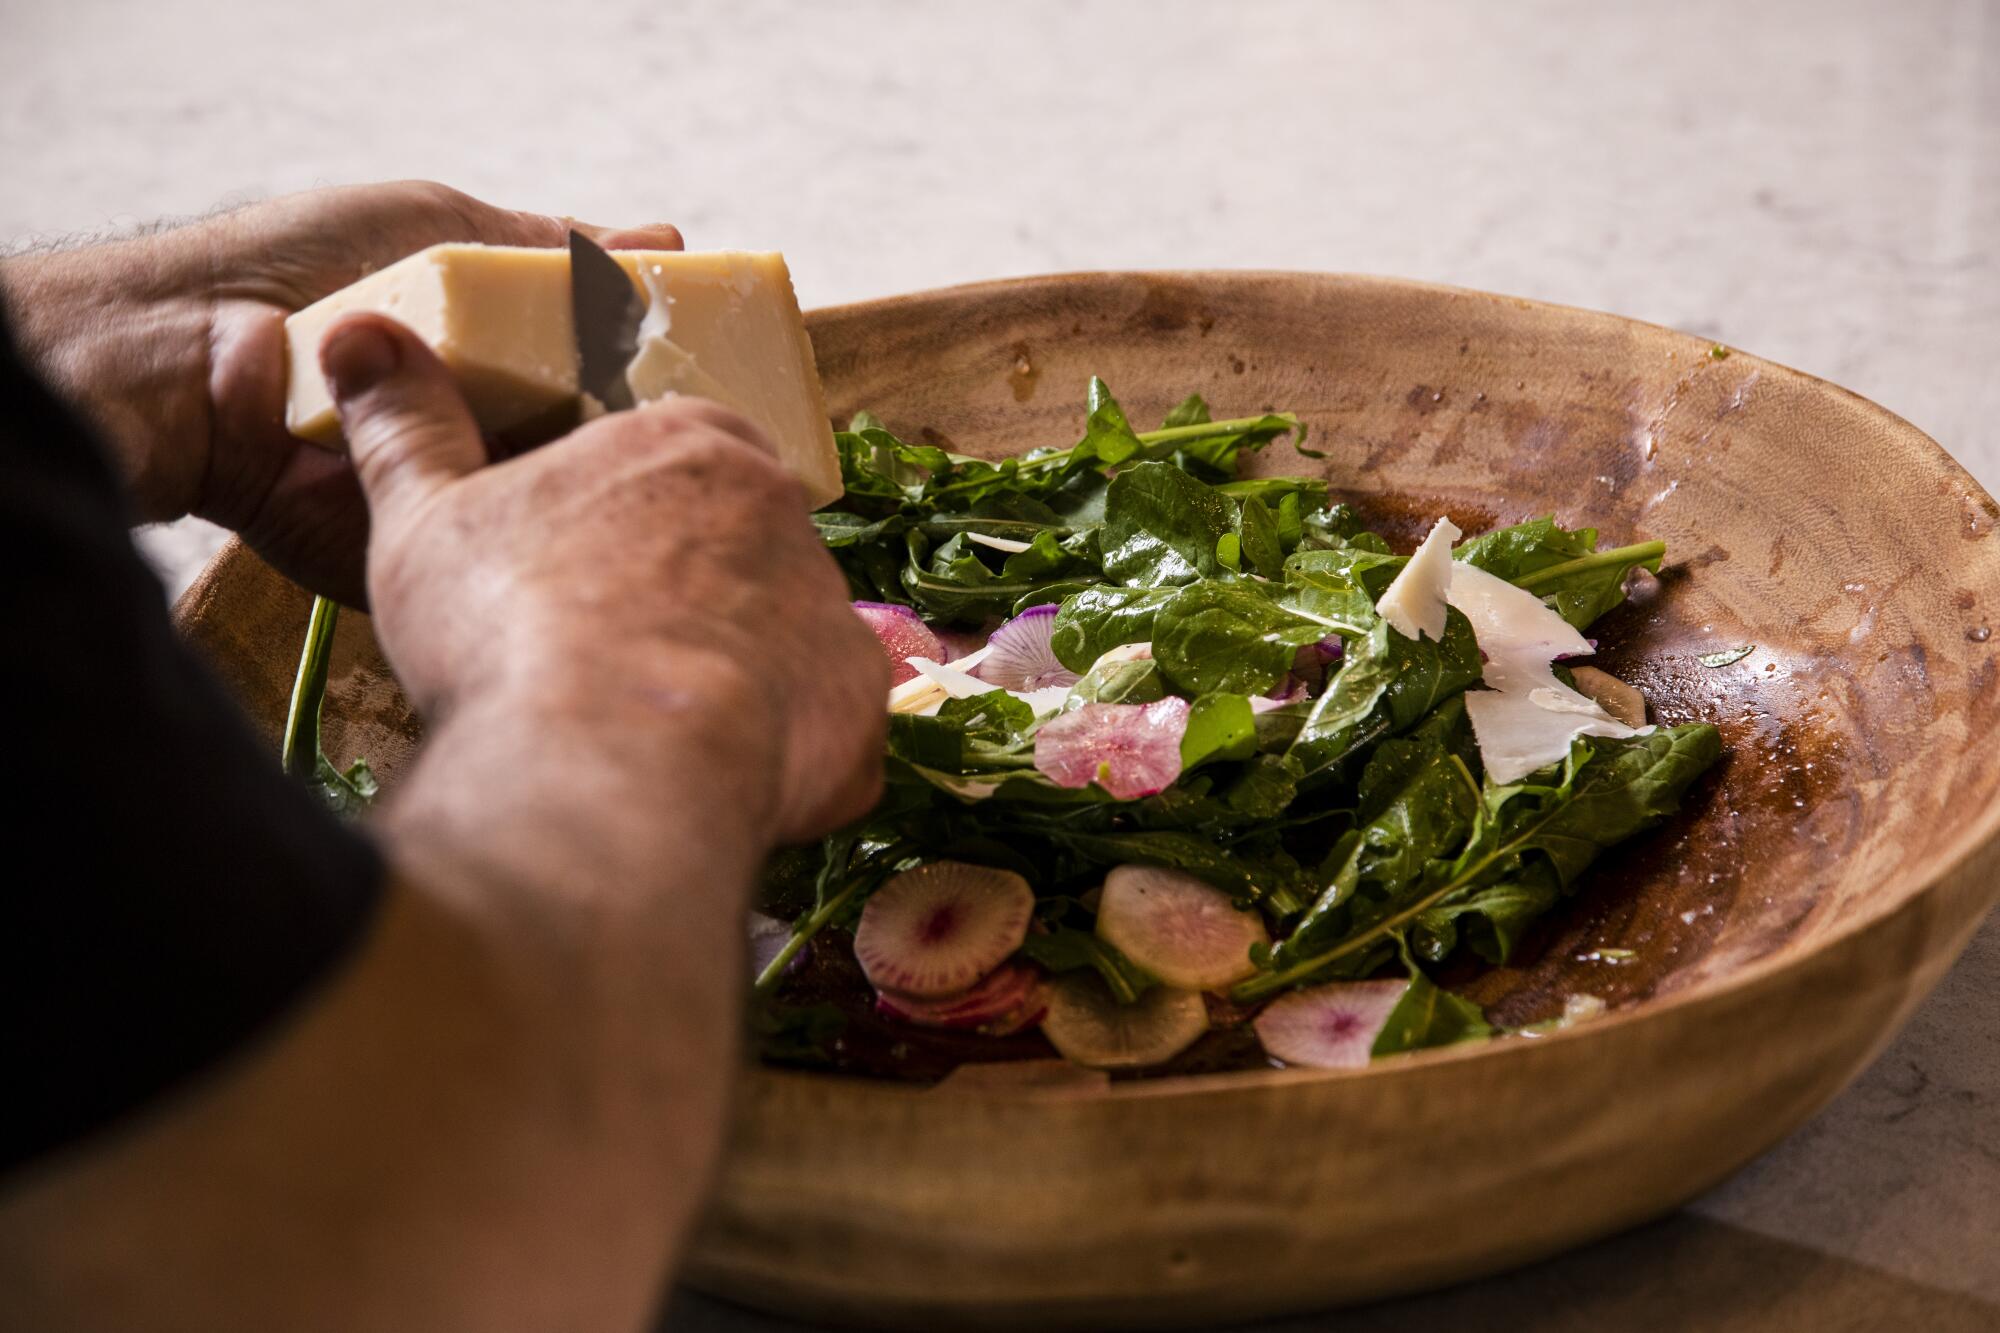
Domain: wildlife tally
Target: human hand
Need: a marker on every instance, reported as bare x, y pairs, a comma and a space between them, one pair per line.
173, 344
650, 582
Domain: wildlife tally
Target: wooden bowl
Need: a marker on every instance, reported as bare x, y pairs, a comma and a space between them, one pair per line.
1780, 931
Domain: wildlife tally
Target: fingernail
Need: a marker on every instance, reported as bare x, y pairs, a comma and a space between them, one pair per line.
356, 358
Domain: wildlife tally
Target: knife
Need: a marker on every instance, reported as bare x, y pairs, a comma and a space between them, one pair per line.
606, 309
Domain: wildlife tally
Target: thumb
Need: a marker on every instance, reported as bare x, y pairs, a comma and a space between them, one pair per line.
407, 426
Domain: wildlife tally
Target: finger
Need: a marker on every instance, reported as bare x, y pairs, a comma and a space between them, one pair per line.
408, 428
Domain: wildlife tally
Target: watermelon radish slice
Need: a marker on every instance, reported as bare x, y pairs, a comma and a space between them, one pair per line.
1182, 930
935, 930
1329, 1027
903, 634
1130, 750
1022, 658
1089, 1027
1004, 1001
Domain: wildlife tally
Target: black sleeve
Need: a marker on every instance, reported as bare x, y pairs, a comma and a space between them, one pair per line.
168, 892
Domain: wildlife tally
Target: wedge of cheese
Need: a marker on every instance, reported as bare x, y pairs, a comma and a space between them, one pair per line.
723, 325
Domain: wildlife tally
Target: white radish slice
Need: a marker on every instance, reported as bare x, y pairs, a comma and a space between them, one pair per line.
1089, 1027
939, 928
1001, 1003
903, 634
1414, 601
1130, 750
1613, 695
1329, 1027
1182, 930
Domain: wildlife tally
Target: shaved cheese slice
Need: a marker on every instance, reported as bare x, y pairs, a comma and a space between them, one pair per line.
921, 694
1527, 719
1414, 603
1520, 731
1045, 700
1007, 544
1519, 634
954, 682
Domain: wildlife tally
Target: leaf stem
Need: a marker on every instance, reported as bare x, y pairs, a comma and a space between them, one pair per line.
1636, 554
815, 921
301, 747
1171, 435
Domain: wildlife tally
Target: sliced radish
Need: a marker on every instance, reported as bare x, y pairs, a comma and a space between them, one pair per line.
1021, 658
939, 928
1001, 1003
1130, 750
1613, 695
904, 635
1182, 930
1289, 691
1087, 1024
1329, 1027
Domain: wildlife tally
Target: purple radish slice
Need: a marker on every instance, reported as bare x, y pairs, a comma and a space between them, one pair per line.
1329, 1027
1182, 930
939, 928
1613, 695
903, 635
1089, 1027
1130, 750
1000, 1004
1021, 658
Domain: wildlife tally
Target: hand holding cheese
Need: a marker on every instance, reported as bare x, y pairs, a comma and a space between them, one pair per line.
173, 345
723, 326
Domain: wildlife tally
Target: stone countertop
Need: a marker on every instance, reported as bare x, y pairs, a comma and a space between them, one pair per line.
1815, 182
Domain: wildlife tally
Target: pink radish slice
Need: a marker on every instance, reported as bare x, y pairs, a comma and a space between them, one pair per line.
1089, 1027
1130, 750
1003, 1002
1021, 658
903, 634
1183, 931
939, 928
1329, 1027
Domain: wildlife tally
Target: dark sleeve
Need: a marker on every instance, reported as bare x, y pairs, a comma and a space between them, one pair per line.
168, 893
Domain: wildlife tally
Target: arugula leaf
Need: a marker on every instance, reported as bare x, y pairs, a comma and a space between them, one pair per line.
1190, 411
1161, 527
1067, 949
1257, 533
1606, 792
796, 1034
1386, 683
1428, 1016
1213, 636
347, 792
1220, 727
1561, 566
1093, 622
1120, 683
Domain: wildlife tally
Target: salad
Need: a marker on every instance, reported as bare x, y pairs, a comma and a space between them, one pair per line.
1174, 752
1181, 760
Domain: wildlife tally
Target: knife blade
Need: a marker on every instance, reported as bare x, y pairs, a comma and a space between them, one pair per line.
607, 309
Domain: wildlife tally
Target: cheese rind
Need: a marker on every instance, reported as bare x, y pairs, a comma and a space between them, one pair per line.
722, 324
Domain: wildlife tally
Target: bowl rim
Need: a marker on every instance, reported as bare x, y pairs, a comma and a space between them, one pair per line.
1966, 840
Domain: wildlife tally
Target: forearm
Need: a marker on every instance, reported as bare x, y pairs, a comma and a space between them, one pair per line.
504, 1113
122, 330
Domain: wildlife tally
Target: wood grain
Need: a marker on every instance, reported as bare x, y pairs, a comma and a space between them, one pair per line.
1779, 932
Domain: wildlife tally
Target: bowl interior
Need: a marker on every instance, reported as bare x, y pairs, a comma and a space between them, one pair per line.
1848, 553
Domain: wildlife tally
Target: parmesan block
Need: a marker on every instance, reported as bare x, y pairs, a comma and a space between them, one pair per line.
723, 325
